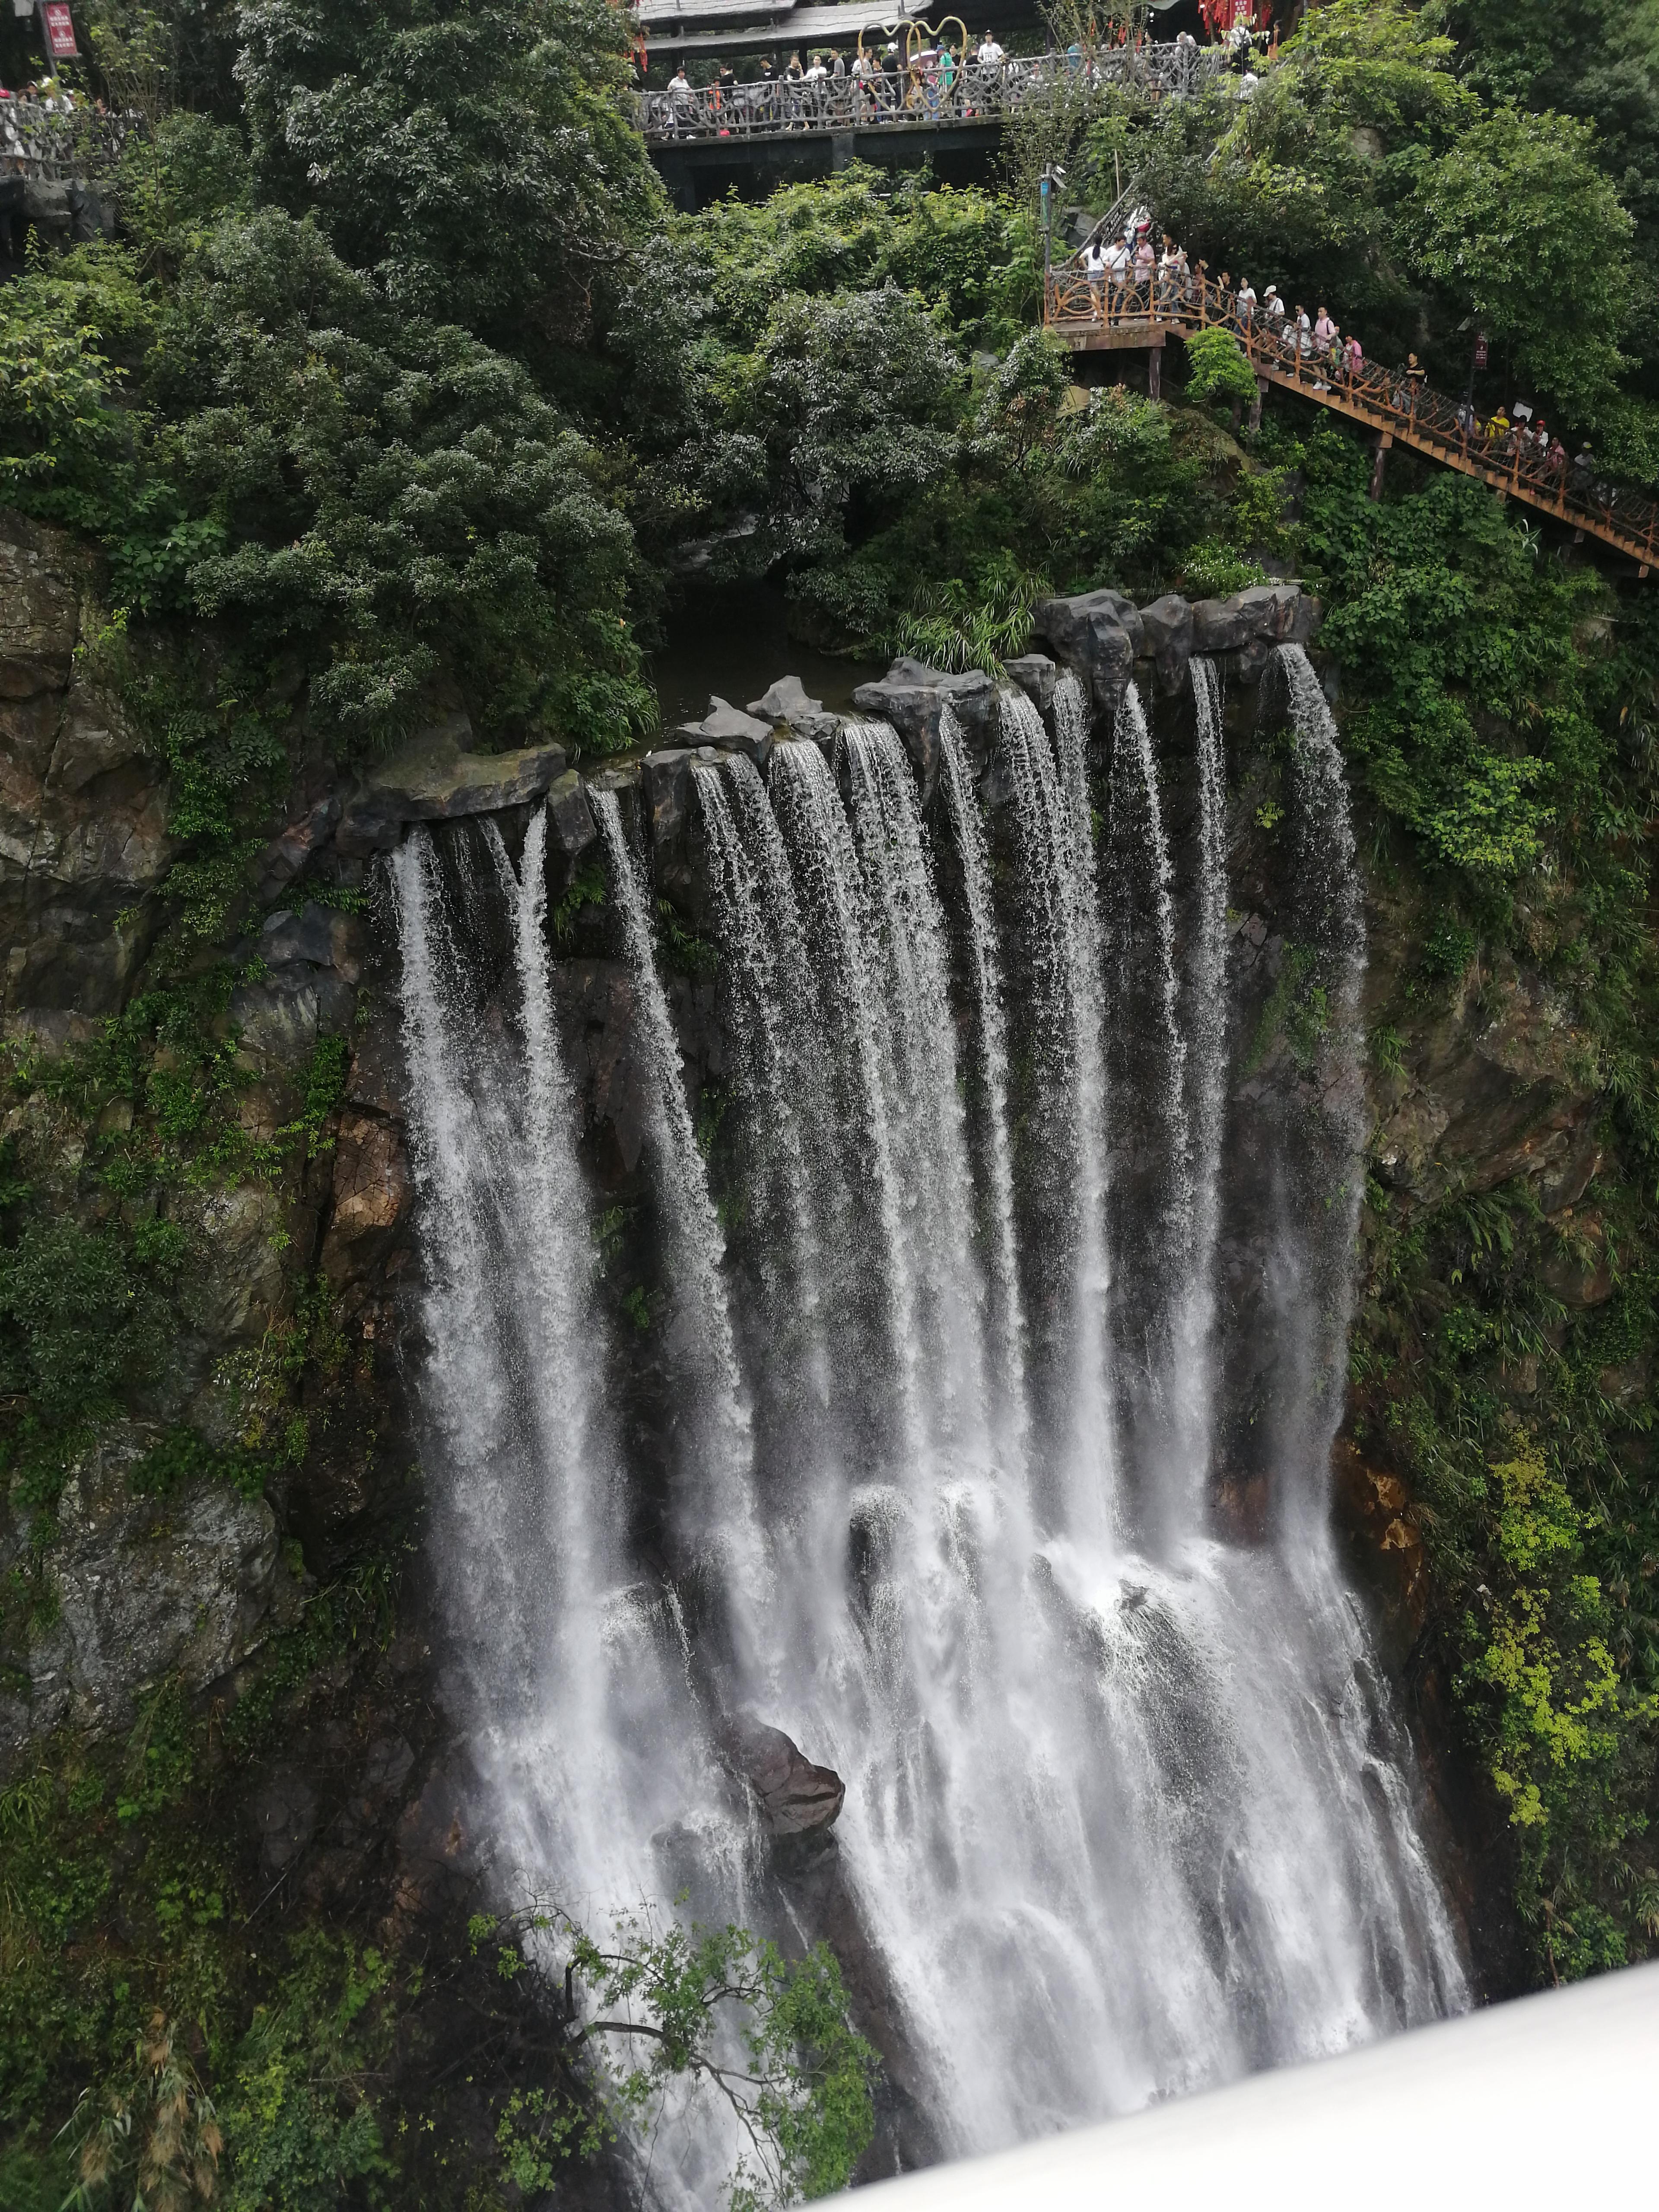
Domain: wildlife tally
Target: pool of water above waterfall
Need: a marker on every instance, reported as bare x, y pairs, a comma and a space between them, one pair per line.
733, 639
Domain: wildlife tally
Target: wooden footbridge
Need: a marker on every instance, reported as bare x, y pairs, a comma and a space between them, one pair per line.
1398, 405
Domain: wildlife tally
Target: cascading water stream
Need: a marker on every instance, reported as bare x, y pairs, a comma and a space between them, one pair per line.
568, 1676
1007, 1320
716, 1507
1191, 1386
1151, 1204
1054, 930
1123, 1818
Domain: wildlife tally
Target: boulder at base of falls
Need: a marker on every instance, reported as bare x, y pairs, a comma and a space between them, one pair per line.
795, 1797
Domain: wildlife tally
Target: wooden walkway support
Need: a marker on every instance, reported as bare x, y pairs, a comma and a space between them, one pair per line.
1399, 407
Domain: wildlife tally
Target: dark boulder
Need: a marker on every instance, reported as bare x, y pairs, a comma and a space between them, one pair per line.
1266, 614
729, 727
1035, 675
1097, 634
912, 696
571, 828
795, 1797
436, 779
786, 701
1166, 632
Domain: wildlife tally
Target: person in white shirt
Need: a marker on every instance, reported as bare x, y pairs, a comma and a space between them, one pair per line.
1117, 262
1094, 267
1246, 298
990, 53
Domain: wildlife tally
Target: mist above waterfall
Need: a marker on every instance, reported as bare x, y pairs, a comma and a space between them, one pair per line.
1127, 1810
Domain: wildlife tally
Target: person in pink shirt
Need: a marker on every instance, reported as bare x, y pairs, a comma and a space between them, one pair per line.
1355, 356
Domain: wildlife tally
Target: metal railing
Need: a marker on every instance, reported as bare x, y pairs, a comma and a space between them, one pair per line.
1397, 402
48, 142
913, 95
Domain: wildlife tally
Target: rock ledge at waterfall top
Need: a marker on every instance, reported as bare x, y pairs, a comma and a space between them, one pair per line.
436, 778
1101, 635
912, 696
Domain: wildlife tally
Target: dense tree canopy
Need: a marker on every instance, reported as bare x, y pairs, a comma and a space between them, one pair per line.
473, 155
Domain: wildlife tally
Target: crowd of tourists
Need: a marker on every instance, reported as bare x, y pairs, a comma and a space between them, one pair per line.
833, 88
1138, 273
45, 128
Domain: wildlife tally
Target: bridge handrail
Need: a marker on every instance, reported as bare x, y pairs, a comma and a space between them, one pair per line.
48, 142
910, 96
1391, 398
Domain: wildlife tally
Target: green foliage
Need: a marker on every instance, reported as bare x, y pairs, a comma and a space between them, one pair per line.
711, 2009
1540, 1530
390, 488
299, 2123
1478, 728
1516, 219
1364, 175
476, 159
151, 2137
1217, 368
961, 625
82, 1313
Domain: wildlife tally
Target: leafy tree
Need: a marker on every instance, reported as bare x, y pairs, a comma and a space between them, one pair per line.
1216, 368
474, 155
714, 2010
395, 492
1516, 219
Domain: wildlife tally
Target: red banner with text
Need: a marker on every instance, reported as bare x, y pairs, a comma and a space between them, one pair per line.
58, 28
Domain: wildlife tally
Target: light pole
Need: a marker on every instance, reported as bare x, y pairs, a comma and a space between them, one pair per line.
1047, 184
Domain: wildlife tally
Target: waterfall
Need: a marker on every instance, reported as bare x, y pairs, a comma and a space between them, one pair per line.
1129, 1809
1318, 1163
570, 1673
911, 1020
1008, 1323
1151, 1209
716, 1505
1056, 939
1193, 1378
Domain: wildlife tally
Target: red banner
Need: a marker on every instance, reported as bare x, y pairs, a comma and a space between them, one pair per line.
58, 28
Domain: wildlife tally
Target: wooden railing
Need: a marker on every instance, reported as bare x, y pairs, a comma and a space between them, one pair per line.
912, 95
1399, 407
